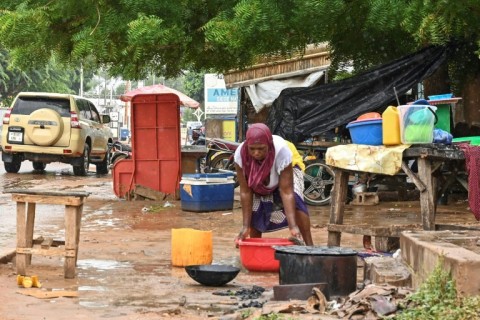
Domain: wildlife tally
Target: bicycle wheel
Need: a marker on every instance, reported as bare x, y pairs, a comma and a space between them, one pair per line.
318, 181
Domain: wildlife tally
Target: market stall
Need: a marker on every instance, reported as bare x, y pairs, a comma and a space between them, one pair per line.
430, 159
404, 140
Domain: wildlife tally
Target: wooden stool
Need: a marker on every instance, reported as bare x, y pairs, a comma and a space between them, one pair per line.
26, 202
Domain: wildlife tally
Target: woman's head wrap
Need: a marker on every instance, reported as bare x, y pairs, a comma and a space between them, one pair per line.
258, 172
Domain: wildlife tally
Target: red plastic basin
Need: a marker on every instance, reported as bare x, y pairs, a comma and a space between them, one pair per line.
257, 254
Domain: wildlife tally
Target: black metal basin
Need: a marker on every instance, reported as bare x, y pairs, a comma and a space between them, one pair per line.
212, 274
336, 266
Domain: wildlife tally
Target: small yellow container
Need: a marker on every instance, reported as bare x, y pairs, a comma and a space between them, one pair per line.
391, 126
191, 247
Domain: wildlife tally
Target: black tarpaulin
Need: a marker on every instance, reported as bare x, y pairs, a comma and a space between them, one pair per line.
300, 113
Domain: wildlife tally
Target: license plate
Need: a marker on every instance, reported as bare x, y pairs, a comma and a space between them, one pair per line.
15, 136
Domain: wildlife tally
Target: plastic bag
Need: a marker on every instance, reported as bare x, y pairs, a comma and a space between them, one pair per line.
442, 136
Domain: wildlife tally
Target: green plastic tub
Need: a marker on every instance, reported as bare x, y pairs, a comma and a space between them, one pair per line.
474, 141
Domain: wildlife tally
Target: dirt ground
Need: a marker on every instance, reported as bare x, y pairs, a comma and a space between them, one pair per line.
124, 267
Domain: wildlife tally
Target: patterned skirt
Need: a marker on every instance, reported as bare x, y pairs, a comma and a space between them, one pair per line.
268, 213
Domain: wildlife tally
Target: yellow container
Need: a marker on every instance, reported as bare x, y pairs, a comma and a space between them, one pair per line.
191, 247
391, 126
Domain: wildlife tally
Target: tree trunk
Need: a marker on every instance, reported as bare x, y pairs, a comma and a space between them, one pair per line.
438, 82
471, 103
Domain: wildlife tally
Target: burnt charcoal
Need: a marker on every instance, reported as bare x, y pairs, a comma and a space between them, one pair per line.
254, 293
252, 304
243, 294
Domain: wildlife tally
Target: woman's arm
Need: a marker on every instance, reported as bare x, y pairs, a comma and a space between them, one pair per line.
246, 200
288, 199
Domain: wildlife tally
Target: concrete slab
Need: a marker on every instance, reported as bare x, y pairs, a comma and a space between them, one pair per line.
387, 270
460, 250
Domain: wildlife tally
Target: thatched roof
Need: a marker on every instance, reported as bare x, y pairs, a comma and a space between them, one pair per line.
315, 58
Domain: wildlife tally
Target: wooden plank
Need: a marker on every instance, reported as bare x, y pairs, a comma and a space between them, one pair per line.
463, 182
21, 259
369, 230
78, 216
63, 200
418, 183
29, 228
338, 204
149, 193
48, 193
434, 152
50, 252
43, 294
70, 240
324, 144
427, 199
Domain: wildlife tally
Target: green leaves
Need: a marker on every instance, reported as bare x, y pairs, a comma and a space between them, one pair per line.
437, 299
133, 38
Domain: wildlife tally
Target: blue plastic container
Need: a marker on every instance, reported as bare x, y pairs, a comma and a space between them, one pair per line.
444, 96
366, 132
207, 192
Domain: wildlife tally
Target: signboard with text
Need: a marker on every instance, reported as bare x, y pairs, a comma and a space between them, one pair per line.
219, 99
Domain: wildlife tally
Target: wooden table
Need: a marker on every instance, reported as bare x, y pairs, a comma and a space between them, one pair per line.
26, 204
429, 157
191, 156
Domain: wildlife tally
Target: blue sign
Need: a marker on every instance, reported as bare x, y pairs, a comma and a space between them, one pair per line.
222, 95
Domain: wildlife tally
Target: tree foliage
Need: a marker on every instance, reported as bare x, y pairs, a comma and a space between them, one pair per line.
194, 85
133, 38
50, 78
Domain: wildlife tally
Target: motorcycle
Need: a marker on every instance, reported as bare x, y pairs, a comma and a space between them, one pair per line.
220, 157
118, 151
198, 137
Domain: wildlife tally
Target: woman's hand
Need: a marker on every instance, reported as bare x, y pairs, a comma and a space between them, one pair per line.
296, 235
242, 235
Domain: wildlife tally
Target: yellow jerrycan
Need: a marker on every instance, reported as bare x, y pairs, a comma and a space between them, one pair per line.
391, 126
191, 247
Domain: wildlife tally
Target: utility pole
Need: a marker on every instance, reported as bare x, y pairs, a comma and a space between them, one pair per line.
128, 86
81, 79
104, 91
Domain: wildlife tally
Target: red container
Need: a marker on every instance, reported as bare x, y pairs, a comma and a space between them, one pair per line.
257, 254
156, 156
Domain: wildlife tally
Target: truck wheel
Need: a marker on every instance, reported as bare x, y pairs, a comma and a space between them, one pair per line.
14, 166
39, 166
82, 169
102, 167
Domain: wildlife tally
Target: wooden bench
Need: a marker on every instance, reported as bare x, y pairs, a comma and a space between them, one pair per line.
26, 204
429, 159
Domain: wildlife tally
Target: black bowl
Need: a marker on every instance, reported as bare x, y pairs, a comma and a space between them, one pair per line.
212, 274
